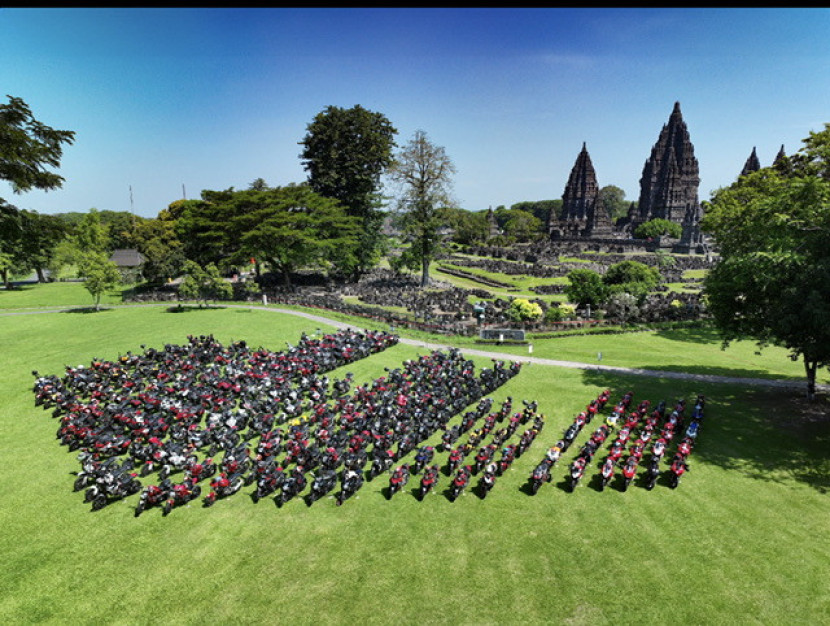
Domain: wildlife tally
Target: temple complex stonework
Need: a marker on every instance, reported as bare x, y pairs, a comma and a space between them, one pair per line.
670, 180
581, 215
668, 190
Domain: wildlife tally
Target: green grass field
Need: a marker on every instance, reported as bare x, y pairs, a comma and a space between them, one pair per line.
742, 540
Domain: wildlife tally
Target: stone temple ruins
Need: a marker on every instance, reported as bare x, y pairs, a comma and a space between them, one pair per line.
668, 190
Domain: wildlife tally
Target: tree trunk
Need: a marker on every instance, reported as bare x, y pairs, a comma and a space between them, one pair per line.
810, 368
40, 277
5, 273
424, 272
286, 277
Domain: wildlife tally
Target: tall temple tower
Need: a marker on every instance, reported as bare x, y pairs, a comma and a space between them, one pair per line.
670, 180
581, 215
753, 164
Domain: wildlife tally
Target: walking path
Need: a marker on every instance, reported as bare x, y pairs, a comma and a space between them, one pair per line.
707, 378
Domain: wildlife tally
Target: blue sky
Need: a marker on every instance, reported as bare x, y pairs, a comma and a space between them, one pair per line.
174, 101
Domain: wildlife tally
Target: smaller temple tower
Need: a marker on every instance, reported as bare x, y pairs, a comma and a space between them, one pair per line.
581, 216
780, 156
753, 164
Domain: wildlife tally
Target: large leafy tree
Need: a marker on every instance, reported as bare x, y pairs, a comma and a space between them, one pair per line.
163, 252
203, 284
203, 227
772, 282
631, 277
612, 200
541, 209
39, 237
28, 149
346, 152
586, 288
658, 227
423, 172
294, 227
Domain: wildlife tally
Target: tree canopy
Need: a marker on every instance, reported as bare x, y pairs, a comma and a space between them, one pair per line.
345, 152
423, 172
772, 282
28, 148
658, 227
293, 227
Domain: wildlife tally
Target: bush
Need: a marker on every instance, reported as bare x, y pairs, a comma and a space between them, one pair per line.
523, 310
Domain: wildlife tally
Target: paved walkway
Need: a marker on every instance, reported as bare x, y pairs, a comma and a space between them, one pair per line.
707, 378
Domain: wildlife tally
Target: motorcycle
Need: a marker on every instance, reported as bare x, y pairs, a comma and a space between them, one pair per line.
352, 481
153, 495
293, 485
487, 480
607, 473
423, 458
629, 470
541, 474
398, 480
268, 481
222, 486
508, 455
484, 456
678, 468
460, 482
652, 473
455, 458
115, 485
181, 493
428, 481
383, 461
577, 470
323, 483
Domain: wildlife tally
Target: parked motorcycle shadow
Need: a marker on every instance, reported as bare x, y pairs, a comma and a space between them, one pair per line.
564, 485
526, 489
596, 482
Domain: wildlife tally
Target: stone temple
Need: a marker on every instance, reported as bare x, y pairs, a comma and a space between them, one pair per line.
581, 215
668, 190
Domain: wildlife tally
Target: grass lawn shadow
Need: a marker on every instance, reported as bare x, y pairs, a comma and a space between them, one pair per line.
189, 308
694, 334
87, 309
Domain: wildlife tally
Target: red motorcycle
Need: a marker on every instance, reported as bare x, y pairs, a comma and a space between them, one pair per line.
607, 472
678, 468
629, 470
152, 495
428, 481
223, 486
398, 480
577, 471
454, 461
181, 493
460, 482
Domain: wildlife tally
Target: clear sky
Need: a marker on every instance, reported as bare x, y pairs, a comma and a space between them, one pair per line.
174, 101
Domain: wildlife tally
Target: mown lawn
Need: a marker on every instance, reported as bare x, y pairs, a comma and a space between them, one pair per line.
740, 541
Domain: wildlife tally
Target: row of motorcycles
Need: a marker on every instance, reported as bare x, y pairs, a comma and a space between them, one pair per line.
639, 429
161, 410
324, 449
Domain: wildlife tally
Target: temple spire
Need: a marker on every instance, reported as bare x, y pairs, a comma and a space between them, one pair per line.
580, 216
753, 164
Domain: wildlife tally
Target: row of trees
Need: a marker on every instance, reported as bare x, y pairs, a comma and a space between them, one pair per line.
332, 221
